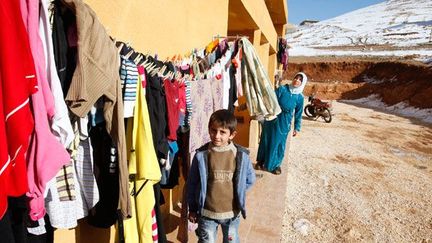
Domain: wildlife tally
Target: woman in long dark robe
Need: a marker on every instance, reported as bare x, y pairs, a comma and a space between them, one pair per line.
274, 134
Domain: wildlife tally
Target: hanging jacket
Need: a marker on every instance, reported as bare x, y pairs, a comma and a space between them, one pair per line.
97, 75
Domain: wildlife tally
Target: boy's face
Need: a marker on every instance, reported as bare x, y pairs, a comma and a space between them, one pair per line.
220, 136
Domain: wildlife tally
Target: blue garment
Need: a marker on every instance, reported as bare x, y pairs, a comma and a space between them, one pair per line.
166, 173
244, 177
207, 229
274, 134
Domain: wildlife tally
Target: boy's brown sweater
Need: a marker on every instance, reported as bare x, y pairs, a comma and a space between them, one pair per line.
220, 202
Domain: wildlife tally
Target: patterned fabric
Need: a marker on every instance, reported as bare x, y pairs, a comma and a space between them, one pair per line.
62, 214
260, 96
154, 227
203, 106
188, 115
65, 183
65, 179
217, 87
85, 175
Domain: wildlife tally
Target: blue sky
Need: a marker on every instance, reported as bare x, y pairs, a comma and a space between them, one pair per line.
299, 10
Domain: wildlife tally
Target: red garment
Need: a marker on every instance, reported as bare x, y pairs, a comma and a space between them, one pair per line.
172, 100
4, 157
18, 82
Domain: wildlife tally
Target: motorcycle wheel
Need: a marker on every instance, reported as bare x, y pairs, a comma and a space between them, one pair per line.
309, 111
327, 116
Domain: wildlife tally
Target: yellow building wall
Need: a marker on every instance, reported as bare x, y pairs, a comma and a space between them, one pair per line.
161, 26
257, 10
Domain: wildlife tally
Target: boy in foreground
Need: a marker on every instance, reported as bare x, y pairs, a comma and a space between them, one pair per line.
220, 174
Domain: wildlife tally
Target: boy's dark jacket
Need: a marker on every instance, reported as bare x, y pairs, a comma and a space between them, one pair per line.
244, 177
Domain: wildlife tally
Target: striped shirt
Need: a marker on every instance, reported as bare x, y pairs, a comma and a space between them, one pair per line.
188, 115
129, 79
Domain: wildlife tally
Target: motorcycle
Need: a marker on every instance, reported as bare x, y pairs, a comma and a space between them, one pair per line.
318, 108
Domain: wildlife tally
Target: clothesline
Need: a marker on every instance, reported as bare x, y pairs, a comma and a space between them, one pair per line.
153, 68
230, 37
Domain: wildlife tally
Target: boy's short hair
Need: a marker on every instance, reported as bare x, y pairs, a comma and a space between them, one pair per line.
223, 118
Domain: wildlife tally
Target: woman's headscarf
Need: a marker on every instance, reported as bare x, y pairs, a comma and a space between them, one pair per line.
299, 89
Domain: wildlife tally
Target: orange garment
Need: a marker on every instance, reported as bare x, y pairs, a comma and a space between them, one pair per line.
212, 45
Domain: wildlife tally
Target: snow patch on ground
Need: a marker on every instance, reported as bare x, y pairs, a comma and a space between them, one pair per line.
401, 108
423, 54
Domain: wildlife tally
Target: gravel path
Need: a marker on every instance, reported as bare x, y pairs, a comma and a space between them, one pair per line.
365, 177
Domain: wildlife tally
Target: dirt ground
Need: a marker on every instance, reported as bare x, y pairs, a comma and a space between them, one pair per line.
394, 79
364, 177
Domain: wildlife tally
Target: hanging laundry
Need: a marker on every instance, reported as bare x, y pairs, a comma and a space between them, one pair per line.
105, 155
237, 65
171, 88
154, 227
203, 105
282, 54
60, 123
143, 168
170, 172
129, 79
46, 154
97, 75
65, 46
156, 101
212, 45
18, 82
14, 224
260, 96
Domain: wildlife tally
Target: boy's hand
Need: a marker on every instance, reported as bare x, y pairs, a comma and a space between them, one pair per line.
192, 217
295, 133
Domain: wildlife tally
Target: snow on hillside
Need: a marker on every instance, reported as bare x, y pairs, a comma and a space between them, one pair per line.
404, 25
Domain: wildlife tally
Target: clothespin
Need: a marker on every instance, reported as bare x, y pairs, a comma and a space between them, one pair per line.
160, 73
138, 58
150, 66
120, 47
155, 70
145, 62
131, 51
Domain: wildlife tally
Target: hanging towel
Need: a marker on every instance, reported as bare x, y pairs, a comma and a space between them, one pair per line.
260, 96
